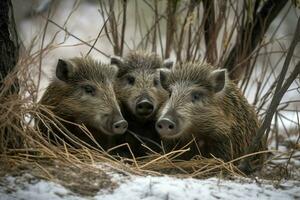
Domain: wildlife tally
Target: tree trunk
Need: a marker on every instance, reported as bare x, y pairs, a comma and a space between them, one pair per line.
9, 88
9, 45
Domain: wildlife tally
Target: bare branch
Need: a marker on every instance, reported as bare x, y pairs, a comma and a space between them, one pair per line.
191, 7
210, 34
114, 28
155, 26
123, 27
41, 54
252, 33
171, 26
281, 88
84, 42
102, 28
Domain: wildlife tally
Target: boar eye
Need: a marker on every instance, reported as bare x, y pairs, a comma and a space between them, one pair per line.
196, 96
89, 89
170, 92
130, 80
155, 82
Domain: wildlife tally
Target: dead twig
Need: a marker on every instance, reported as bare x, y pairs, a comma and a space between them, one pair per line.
281, 88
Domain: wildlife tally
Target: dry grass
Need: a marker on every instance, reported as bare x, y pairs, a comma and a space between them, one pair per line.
22, 142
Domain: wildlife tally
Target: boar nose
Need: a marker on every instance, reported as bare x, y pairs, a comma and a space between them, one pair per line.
165, 126
120, 126
144, 108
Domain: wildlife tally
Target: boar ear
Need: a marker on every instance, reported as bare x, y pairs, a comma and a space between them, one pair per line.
64, 70
116, 60
164, 76
119, 63
168, 63
219, 77
115, 69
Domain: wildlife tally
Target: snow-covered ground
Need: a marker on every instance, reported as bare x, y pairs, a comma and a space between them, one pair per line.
152, 188
213, 188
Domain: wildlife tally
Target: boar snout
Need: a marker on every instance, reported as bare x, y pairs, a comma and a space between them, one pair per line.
144, 108
120, 126
166, 127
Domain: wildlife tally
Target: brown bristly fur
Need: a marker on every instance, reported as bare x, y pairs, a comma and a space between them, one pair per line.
68, 101
144, 67
222, 124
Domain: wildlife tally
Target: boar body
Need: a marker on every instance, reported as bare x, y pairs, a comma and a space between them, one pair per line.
141, 94
207, 108
83, 94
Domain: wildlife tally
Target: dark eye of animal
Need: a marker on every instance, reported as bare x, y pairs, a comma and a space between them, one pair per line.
170, 92
130, 80
91, 90
196, 96
155, 82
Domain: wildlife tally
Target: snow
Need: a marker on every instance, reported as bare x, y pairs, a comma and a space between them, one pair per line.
153, 188
174, 189
37, 190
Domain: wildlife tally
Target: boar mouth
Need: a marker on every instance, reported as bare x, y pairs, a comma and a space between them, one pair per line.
105, 130
112, 125
117, 128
